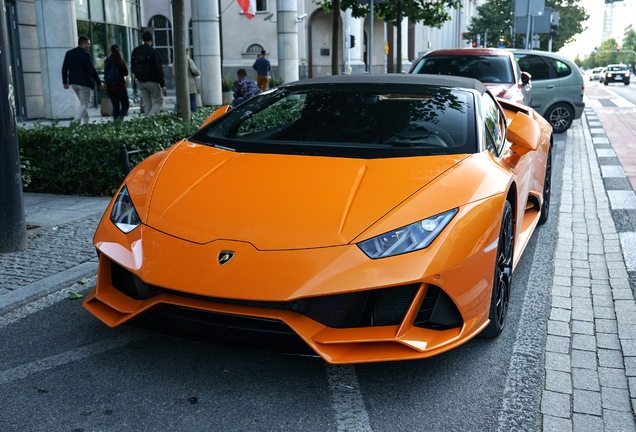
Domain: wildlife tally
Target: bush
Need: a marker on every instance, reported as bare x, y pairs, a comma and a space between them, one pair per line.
227, 84
85, 159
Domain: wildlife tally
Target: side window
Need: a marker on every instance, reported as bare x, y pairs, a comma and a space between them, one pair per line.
493, 129
535, 66
562, 70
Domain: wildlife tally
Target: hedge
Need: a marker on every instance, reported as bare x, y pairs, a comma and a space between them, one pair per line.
85, 159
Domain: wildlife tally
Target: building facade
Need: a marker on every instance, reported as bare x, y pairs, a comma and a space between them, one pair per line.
43, 30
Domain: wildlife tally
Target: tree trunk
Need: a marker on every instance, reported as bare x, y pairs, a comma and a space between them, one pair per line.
335, 38
399, 37
180, 60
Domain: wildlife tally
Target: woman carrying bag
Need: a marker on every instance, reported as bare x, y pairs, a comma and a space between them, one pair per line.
114, 72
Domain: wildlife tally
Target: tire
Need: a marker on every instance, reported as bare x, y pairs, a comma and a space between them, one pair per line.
627, 83
605, 82
503, 276
547, 186
560, 116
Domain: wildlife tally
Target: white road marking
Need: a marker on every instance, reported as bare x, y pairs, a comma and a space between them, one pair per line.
44, 302
593, 103
628, 244
45, 364
622, 200
351, 414
623, 103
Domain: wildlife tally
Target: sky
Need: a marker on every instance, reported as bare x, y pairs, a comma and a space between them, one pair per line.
585, 42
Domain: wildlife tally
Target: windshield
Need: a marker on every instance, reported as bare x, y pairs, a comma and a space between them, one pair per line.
487, 69
357, 120
617, 68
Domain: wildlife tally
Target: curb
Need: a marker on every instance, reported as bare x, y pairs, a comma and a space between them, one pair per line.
47, 285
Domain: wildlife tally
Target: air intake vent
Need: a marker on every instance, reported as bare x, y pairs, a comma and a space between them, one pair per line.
438, 311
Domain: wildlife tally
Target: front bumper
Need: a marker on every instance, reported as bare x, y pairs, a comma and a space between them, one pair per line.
336, 301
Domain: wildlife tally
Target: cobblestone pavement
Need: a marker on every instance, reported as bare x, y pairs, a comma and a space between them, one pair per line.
51, 250
590, 358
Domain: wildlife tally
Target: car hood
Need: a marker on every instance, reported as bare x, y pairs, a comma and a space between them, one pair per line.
280, 202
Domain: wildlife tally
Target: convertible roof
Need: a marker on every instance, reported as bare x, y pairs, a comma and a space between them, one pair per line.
410, 79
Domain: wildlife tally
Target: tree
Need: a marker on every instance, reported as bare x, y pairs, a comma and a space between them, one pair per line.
430, 13
496, 17
629, 43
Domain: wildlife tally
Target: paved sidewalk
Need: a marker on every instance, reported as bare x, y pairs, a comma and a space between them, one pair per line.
60, 250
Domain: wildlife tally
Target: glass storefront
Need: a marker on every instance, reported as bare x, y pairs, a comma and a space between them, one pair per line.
107, 23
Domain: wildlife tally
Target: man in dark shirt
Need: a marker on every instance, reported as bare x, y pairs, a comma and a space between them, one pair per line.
149, 73
262, 67
244, 88
79, 73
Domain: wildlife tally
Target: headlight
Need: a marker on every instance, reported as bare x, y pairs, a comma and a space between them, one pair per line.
407, 239
123, 214
609, 75
627, 73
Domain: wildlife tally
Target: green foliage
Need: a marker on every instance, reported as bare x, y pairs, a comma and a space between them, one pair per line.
275, 82
496, 16
26, 170
85, 159
227, 84
279, 114
432, 14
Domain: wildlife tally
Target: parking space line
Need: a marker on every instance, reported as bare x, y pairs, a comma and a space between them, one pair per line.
42, 365
351, 414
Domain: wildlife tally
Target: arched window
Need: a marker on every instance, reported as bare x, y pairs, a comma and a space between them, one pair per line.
254, 49
162, 38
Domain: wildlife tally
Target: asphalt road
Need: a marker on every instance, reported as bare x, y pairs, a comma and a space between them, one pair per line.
63, 370
628, 92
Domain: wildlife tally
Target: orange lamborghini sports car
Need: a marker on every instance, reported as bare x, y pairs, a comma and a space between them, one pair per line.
361, 218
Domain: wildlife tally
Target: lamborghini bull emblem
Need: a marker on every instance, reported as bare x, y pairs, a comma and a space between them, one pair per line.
225, 256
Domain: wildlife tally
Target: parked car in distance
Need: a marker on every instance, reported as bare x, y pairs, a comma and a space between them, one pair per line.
615, 73
558, 86
595, 73
495, 68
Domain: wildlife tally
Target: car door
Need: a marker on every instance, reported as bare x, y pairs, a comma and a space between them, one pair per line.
545, 82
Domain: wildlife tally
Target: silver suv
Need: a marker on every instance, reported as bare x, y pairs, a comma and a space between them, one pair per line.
557, 86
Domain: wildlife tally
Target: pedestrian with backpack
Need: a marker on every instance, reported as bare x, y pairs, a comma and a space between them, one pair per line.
79, 74
146, 66
114, 72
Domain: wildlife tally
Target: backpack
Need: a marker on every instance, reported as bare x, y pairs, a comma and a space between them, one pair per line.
111, 74
140, 63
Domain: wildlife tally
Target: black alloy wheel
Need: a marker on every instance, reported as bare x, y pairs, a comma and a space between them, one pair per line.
503, 276
547, 186
560, 117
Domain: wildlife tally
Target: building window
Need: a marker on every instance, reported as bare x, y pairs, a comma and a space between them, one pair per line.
261, 5
162, 38
254, 49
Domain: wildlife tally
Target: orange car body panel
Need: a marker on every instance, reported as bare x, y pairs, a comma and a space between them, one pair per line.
287, 252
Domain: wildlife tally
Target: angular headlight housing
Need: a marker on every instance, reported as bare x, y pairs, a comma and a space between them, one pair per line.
407, 239
123, 214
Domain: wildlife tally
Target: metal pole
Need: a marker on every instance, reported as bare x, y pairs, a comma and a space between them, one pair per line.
371, 37
528, 23
13, 236
385, 53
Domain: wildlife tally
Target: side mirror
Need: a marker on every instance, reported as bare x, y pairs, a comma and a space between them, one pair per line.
525, 78
216, 114
523, 133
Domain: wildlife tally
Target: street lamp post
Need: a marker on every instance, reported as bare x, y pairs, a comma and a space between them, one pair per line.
13, 236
